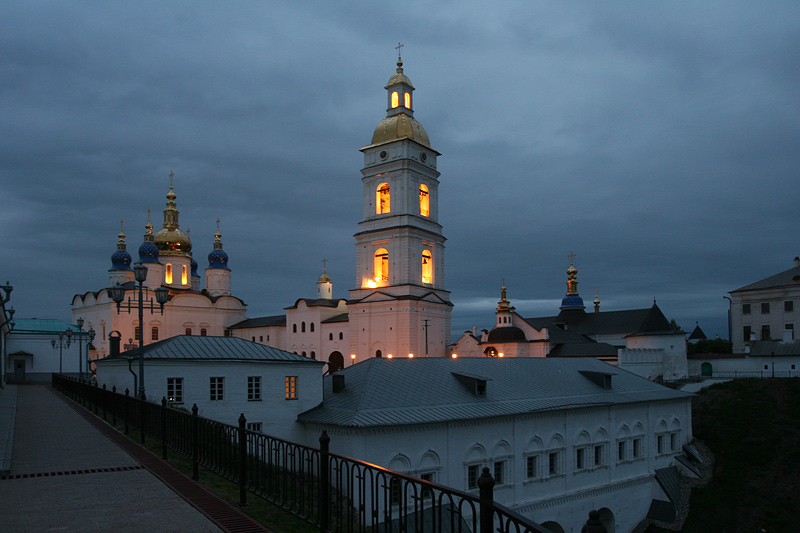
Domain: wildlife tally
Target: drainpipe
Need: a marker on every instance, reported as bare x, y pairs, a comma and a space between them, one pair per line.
135, 377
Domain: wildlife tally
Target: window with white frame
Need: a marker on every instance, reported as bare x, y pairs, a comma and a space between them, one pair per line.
662, 436
532, 466
217, 389
637, 442
175, 390
600, 449
599, 455
501, 461
622, 451
580, 458
638, 452
291, 387
473, 464
582, 451
534, 455
500, 472
253, 388
555, 456
255, 426
473, 473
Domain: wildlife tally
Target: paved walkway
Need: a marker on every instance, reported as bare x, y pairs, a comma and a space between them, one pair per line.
66, 475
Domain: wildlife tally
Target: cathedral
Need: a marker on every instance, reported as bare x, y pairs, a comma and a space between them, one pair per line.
189, 310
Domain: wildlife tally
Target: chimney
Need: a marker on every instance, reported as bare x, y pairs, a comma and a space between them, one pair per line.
113, 340
338, 383
474, 331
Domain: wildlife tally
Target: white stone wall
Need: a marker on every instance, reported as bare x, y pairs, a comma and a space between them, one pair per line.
624, 487
45, 359
762, 365
274, 411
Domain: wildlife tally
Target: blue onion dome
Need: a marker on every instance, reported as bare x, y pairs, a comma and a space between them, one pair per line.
148, 251
121, 259
218, 258
194, 268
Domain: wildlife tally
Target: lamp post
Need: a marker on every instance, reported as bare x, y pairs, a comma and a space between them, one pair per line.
60, 344
7, 288
117, 293
81, 334
730, 305
90, 333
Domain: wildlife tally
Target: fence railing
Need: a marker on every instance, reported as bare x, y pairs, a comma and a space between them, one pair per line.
331, 491
742, 374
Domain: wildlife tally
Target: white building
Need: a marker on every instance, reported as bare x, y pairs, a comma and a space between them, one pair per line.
765, 310
224, 377
191, 310
37, 348
560, 436
639, 340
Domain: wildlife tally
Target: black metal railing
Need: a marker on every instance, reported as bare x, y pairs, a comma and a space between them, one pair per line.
334, 492
744, 374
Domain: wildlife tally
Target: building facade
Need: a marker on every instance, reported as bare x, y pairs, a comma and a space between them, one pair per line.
190, 310
765, 310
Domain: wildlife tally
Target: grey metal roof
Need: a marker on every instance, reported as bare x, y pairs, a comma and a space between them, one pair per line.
43, 326
319, 302
192, 347
625, 322
342, 317
260, 322
381, 391
782, 279
777, 348
583, 349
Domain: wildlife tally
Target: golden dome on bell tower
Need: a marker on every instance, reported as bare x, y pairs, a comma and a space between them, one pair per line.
170, 240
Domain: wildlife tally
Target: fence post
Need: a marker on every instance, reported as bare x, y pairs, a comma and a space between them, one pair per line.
486, 486
114, 406
96, 394
126, 413
103, 396
195, 443
164, 428
242, 461
142, 414
594, 524
324, 481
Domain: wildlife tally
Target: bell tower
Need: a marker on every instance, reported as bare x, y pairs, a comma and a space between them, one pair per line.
400, 305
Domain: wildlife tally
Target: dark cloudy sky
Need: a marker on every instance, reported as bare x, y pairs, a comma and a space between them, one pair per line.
659, 141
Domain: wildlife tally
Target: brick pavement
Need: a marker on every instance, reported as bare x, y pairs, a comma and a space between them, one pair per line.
51, 438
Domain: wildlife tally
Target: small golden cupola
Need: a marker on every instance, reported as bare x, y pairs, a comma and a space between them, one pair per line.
170, 240
572, 300
399, 122
504, 308
324, 284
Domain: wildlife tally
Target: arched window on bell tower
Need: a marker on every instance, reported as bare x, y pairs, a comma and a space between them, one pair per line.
407, 100
383, 199
424, 201
168, 274
395, 99
381, 265
427, 267
184, 275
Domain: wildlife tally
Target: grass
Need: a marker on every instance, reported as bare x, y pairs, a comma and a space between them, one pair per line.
753, 428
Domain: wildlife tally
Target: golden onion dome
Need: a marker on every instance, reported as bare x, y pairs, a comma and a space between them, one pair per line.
172, 241
400, 126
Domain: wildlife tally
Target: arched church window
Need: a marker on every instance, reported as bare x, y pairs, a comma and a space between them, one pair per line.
311, 327
330, 336
189, 331
341, 335
382, 265
154, 333
383, 200
294, 328
395, 99
427, 267
136, 333
407, 100
203, 332
313, 354
491, 351
168, 273
184, 276
378, 353
424, 201
303, 327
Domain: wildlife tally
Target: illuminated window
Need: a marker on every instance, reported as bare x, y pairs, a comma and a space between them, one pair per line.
183, 275
407, 100
395, 99
175, 390
217, 389
383, 200
427, 267
168, 273
291, 387
424, 201
382, 265
154, 333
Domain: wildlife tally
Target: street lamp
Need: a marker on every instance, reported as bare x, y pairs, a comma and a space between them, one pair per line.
88, 360
60, 344
117, 293
81, 334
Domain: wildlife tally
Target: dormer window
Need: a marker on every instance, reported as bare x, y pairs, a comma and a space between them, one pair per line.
395, 100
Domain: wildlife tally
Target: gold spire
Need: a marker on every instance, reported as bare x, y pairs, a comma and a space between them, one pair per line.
324, 277
504, 304
572, 282
148, 226
218, 238
170, 239
596, 301
121, 243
